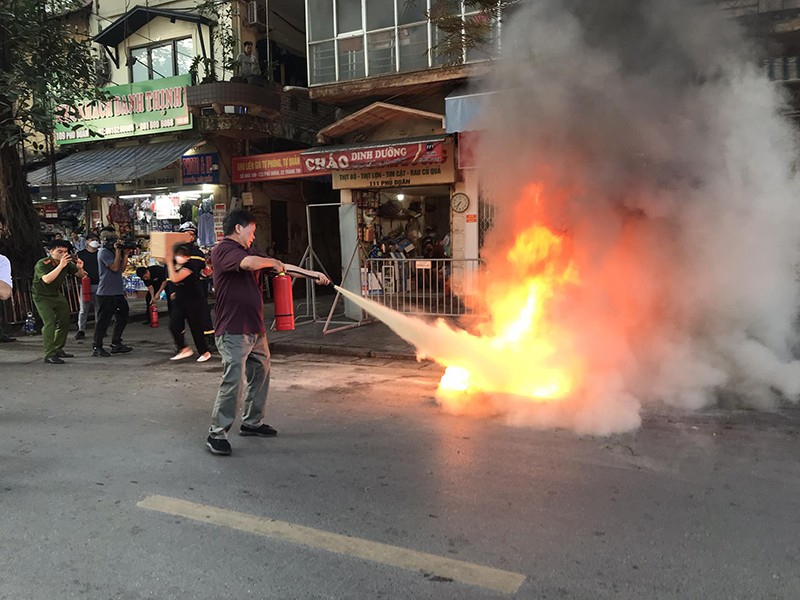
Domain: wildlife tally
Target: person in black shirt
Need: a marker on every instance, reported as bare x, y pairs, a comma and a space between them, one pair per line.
185, 273
155, 278
89, 257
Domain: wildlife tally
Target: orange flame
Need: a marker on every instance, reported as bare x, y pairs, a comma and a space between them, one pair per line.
526, 351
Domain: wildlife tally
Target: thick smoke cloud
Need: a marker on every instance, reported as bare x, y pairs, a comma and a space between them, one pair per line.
663, 155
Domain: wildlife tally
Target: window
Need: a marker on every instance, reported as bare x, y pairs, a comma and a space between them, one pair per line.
351, 39
165, 59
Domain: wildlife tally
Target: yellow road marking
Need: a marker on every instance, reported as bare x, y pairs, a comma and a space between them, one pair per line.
464, 572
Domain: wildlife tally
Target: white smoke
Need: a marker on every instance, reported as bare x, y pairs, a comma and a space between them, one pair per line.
665, 157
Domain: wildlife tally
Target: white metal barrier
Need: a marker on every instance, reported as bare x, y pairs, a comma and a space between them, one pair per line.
430, 286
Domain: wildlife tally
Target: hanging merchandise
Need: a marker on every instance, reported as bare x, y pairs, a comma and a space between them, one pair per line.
206, 235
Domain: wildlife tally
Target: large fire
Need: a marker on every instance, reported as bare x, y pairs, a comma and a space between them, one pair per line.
523, 334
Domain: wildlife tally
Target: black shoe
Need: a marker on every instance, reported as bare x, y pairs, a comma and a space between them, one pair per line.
263, 430
80, 335
7, 338
120, 348
218, 446
62, 354
53, 360
99, 351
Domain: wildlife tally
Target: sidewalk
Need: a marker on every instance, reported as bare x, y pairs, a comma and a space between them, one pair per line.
372, 339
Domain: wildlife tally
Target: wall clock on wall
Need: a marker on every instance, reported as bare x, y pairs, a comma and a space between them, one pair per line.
459, 202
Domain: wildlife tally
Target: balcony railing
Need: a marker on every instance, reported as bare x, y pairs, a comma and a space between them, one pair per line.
236, 97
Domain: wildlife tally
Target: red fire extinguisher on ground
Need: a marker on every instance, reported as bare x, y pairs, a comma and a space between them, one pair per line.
86, 288
284, 305
153, 315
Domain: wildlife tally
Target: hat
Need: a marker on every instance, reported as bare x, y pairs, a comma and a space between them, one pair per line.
107, 235
187, 226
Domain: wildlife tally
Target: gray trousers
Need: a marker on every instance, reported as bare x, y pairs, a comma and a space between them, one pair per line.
245, 363
83, 315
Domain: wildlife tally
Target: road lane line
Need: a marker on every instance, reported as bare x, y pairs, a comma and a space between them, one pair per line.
464, 572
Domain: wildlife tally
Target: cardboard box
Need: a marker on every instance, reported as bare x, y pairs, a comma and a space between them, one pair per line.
161, 241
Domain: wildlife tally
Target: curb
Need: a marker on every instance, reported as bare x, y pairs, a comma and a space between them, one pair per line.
301, 348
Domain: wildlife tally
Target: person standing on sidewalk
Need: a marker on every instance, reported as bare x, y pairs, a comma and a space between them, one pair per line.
89, 257
241, 337
197, 262
51, 304
112, 261
184, 273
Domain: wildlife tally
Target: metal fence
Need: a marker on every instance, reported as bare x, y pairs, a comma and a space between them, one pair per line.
430, 286
16, 309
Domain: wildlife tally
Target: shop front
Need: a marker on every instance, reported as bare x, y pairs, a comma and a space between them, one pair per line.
397, 200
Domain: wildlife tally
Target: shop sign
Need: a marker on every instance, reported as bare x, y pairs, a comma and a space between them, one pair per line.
155, 106
365, 157
48, 211
200, 168
168, 206
472, 218
169, 177
219, 217
264, 167
401, 176
311, 163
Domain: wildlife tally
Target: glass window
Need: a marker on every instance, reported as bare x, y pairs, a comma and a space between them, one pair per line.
351, 58
140, 70
322, 62
380, 14
411, 12
162, 61
380, 50
348, 16
413, 47
320, 19
184, 55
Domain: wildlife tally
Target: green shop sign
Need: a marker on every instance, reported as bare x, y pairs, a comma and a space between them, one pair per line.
155, 106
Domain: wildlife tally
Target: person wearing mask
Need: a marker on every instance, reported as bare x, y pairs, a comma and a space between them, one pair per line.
241, 335
112, 260
155, 278
89, 257
199, 263
48, 297
184, 273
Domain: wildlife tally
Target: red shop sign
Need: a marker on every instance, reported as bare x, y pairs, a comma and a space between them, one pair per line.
368, 157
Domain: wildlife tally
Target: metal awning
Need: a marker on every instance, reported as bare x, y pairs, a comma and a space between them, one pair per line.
373, 115
112, 165
463, 110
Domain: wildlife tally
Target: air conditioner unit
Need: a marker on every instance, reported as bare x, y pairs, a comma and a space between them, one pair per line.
252, 14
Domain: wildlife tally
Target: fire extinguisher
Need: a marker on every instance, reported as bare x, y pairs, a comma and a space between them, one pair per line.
153, 315
86, 288
284, 305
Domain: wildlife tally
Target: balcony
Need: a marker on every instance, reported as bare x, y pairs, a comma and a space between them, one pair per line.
243, 111
233, 97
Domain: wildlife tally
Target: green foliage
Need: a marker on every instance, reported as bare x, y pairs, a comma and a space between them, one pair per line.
457, 34
223, 13
46, 66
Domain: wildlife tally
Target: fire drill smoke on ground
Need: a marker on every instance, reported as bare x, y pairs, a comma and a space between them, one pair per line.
647, 231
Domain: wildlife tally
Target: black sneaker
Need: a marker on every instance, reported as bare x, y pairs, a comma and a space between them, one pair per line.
99, 351
53, 360
218, 446
80, 335
62, 354
120, 348
262, 430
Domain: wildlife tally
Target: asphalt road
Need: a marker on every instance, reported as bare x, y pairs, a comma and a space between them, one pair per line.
108, 492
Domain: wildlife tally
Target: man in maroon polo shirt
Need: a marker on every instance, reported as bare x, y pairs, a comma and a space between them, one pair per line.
240, 333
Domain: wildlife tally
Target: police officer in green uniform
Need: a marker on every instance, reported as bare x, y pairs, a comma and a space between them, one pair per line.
48, 277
